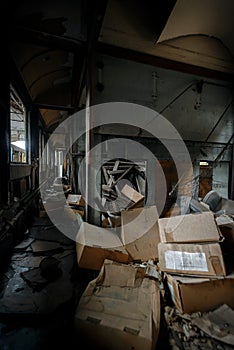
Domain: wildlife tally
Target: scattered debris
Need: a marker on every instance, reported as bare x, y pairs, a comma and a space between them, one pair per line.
218, 324
34, 279
23, 245
41, 247
50, 234
49, 268
39, 280
184, 334
123, 187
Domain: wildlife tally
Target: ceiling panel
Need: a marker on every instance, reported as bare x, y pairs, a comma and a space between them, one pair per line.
213, 18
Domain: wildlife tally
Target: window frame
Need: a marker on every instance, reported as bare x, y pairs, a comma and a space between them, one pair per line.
26, 129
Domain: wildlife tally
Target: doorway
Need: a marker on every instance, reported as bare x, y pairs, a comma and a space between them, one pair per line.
205, 178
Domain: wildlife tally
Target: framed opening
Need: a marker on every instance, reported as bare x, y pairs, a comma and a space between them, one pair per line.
18, 129
205, 178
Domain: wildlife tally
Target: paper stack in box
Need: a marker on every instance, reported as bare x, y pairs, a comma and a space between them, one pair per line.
190, 254
119, 309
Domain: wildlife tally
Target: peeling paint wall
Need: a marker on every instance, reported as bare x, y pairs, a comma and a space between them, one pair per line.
194, 115
204, 120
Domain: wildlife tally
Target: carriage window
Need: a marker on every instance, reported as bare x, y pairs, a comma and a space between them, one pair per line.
18, 128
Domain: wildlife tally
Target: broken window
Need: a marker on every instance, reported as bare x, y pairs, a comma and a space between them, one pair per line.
123, 180
18, 128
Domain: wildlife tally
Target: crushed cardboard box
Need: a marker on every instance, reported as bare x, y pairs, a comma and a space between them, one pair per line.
192, 259
200, 227
119, 310
95, 244
194, 294
139, 232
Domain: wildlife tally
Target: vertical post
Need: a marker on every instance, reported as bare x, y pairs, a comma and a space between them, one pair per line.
4, 143
196, 182
34, 139
87, 149
231, 191
95, 19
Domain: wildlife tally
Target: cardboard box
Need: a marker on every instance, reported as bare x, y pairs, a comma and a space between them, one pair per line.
139, 233
72, 212
192, 259
227, 231
119, 310
54, 203
173, 211
43, 214
228, 206
200, 294
223, 219
76, 199
95, 244
115, 220
200, 227
136, 198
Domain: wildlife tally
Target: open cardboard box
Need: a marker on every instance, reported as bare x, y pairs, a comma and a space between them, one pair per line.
95, 244
193, 294
139, 233
120, 309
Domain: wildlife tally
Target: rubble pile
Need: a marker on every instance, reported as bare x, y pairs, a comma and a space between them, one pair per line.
197, 332
123, 187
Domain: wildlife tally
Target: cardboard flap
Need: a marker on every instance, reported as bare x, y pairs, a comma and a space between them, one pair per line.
95, 236
132, 194
119, 274
120, 316
200, 227
216, 264
137, 222
139, 233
